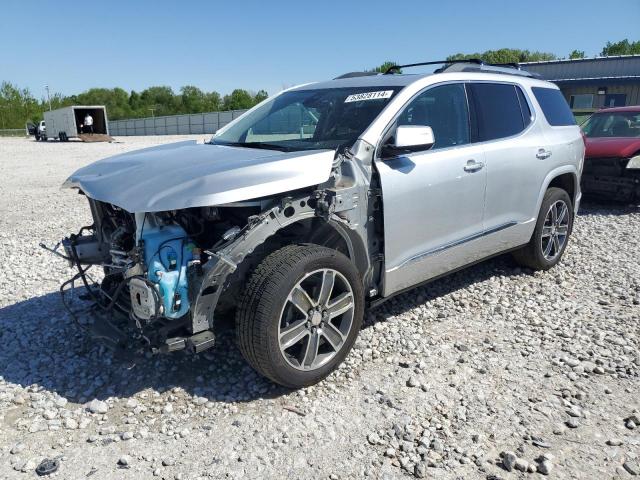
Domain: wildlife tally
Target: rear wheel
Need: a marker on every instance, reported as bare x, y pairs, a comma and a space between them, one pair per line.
551, 234
300, 314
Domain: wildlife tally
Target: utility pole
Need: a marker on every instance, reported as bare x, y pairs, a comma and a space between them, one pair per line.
153, 109
48, 96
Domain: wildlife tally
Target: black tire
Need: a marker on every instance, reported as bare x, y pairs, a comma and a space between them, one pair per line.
260, 313
532, 255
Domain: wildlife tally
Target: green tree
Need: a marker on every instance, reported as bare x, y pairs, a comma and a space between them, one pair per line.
577, 54
239, 99
17, 106
212, 102
161, 99
623, 47
192, 99
384, 67
134, 101
505, 55
260, 96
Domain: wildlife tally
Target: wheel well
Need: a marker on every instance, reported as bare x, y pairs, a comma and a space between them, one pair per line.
567, 182
311, 230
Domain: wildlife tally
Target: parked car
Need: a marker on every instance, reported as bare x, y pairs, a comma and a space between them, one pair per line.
40, 131
612, 158
321, 201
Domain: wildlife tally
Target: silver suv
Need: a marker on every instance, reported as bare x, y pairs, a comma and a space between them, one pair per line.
324, 200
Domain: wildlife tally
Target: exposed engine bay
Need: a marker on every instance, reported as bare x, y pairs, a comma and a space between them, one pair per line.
152, 263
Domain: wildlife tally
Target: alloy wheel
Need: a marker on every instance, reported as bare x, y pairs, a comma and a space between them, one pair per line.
316, 319
555, 230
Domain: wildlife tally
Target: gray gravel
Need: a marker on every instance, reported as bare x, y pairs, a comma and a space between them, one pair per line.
494, 372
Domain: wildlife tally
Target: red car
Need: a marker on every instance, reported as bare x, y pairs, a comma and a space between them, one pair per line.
612, 157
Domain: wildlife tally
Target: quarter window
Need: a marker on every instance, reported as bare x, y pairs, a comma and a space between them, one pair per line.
554, 106
498, 113
444, 109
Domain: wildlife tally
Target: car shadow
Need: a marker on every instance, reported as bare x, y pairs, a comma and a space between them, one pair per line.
42, 348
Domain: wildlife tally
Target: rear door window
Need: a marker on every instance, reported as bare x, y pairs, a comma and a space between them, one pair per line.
497, 111
554, 106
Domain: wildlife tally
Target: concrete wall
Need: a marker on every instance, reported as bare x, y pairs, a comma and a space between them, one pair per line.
205, 123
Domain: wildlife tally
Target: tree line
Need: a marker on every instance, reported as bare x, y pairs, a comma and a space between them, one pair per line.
18, 105
512, 55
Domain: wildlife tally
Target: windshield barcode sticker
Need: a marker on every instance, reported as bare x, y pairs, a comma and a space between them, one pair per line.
358, 97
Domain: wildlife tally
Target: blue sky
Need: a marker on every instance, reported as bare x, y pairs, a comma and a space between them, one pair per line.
73, 46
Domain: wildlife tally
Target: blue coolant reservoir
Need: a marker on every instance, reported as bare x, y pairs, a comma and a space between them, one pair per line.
167, 251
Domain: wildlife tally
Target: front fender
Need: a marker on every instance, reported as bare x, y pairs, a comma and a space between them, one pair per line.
226, 260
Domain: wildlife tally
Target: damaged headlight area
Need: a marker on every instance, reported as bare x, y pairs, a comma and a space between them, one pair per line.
151, 269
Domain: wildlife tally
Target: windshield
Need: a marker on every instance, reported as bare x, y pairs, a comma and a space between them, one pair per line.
309, 119
615, 124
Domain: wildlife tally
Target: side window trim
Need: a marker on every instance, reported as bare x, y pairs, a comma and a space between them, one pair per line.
393, 122
473, 114
528, 120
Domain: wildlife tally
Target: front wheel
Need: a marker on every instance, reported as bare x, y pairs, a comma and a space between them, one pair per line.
300, 314
551, 234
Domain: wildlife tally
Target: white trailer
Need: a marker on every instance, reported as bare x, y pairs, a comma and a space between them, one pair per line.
68, 122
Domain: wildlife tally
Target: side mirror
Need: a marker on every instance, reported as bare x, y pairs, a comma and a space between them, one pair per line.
414, 138
410, 138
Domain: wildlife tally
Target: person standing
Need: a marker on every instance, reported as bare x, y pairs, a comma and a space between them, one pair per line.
88, 124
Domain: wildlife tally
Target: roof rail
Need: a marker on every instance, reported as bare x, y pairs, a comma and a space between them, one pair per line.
356, 74
469, 65
395, 68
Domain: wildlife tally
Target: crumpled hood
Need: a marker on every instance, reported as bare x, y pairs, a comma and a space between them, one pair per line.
611, 147
186, 174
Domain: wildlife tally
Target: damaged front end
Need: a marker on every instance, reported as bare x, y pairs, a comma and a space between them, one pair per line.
614, 178
151, 265
165, 274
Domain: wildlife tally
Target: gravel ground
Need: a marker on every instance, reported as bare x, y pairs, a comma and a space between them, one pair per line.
489, 373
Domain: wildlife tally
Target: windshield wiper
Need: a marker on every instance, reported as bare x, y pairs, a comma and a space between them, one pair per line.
260, 145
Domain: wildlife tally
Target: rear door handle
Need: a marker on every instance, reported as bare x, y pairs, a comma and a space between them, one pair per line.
473, 166
542, 153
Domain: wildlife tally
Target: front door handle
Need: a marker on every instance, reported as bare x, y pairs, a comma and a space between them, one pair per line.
473, 166
542, 153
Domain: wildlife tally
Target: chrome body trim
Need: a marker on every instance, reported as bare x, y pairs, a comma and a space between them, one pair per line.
453, 244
